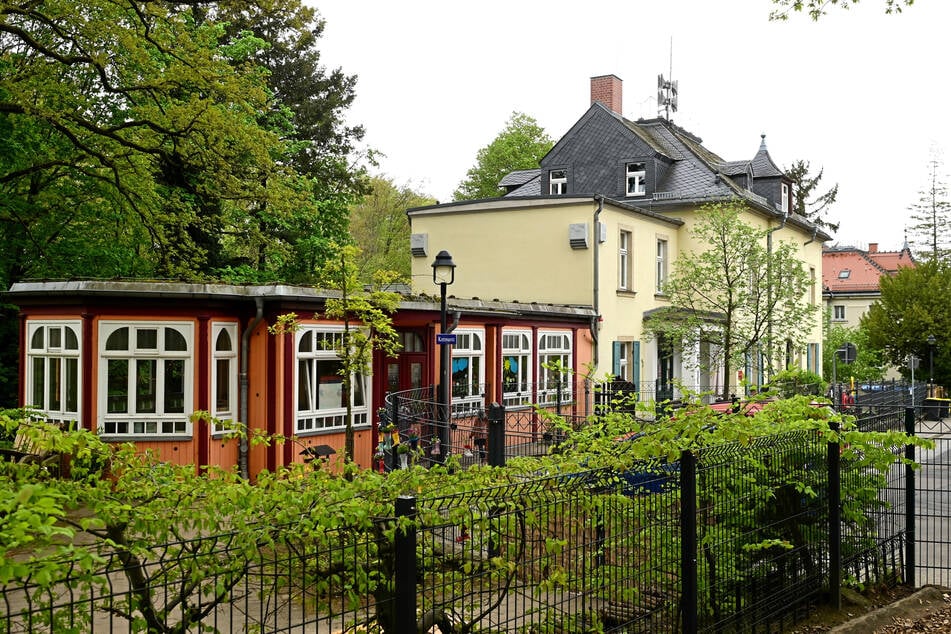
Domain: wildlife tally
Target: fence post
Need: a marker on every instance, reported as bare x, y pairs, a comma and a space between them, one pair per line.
910, 562
688, 541
404, 567
835, 519
496, 438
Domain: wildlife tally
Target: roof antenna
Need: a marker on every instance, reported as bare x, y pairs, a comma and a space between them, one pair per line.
667, 90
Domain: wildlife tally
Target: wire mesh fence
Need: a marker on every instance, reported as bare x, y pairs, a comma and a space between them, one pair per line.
740, 536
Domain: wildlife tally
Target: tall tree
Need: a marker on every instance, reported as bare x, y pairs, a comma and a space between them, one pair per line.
306, 109
807, 201
869, 364
930, 218
366, 314
127, 120
913, 306
735, 295
520, 145
380, 228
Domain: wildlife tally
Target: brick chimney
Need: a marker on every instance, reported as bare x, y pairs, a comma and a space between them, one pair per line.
607, 90
873, 247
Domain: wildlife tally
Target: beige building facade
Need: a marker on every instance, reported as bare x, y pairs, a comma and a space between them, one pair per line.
601, 224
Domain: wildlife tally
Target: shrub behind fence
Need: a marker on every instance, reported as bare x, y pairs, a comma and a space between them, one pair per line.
720, 540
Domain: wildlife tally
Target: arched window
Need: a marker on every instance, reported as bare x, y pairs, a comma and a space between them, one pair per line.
554, 364
517, 367
52, 370
224, 374
146, 372
321, 394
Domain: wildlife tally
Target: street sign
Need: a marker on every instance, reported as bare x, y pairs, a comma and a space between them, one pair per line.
445, 339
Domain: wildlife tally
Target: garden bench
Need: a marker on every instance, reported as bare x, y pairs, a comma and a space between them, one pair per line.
26, 449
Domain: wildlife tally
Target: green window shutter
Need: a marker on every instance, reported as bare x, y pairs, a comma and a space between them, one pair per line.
616, 358
636, 363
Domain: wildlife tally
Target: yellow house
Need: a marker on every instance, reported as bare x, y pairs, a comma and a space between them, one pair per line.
601, 224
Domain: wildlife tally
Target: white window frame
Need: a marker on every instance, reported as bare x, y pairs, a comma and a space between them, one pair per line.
54, 360
517, 346
838, 312
554, 345
785, 198
625, 272
636, 179
228, 412
132, 423
322, 419
623, 361
663, 255
470, 345
558, 185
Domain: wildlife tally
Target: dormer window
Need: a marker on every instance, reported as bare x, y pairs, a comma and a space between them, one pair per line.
844, 274
636, 179
785, 199
558, 182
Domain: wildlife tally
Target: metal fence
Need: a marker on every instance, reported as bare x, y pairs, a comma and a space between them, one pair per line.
214, 583
721, 539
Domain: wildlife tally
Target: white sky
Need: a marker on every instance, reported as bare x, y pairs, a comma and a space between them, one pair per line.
860, 93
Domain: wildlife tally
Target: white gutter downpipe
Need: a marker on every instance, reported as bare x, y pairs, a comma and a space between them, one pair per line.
243, 386
769, 265
596, 288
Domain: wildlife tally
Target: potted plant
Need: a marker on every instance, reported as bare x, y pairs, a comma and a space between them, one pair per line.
402, 450
413, 436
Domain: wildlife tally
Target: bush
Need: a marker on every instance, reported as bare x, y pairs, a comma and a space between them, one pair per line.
797, 382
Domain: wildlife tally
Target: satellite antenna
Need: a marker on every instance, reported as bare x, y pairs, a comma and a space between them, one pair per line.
667, 89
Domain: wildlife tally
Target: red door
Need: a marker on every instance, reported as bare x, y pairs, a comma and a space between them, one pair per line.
407, 370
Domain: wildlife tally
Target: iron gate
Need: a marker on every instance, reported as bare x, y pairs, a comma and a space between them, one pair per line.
933, 504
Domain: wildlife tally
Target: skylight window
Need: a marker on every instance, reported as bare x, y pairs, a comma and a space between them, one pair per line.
844, 274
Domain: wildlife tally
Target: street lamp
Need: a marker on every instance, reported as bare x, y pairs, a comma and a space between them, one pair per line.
931, 342
444, 274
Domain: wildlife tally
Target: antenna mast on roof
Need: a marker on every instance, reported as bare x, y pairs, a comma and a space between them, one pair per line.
667, 90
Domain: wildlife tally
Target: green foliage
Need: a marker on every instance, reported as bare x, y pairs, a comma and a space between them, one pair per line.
807, 202
380, 228
869, 363
817, 8
175, 140
749, 514
930, 218
913, 305
796, 381
366, 313
735, 295
520, 145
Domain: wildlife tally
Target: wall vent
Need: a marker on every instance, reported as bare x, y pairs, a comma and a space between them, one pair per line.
578, 235
419, 245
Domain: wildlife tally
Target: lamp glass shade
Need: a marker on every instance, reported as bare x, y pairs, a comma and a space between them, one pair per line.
444, 269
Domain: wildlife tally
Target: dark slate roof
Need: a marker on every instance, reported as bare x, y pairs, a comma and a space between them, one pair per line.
763, 165
693, 174
519, 177
734, 168
530, 188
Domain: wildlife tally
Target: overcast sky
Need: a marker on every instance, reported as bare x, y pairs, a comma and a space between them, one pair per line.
861, 94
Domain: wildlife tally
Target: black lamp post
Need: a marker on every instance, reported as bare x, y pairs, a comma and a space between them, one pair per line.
444, 274
931, 342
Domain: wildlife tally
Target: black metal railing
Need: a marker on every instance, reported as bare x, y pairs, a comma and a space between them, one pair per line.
718, 540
